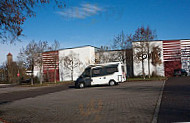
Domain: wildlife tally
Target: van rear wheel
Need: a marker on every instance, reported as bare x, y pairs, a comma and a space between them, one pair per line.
112, 83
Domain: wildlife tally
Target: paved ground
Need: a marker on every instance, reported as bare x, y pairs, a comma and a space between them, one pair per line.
132, 102
9, 89
11, 94
175, 105
4, 85
6, 88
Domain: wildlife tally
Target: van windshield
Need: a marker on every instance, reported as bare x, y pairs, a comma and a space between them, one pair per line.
86, 73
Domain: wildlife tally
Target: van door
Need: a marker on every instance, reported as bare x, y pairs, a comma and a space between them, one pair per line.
98, 77
87, 77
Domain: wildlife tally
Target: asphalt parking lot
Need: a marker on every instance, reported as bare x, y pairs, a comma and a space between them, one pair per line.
175, 105
132, 102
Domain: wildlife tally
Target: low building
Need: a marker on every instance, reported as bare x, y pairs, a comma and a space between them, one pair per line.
165, 56
173, 54
66, 64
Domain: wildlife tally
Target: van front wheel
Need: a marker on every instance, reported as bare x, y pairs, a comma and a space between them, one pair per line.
111, 83
81, 85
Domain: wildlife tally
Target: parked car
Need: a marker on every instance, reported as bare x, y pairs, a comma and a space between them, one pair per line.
180, 72
102, 74
26, 81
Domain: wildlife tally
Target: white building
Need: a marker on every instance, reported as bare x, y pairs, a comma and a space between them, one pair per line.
81, 57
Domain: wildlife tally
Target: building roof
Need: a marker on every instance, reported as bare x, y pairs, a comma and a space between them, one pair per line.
71, 48
165, 40
78, 47
9, 54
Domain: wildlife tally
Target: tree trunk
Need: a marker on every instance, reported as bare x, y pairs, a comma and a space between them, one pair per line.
55, 73
156, 70
72, 75
143, 68
32, 75
148, 66
126, 62
72, 70
148, 62
41, 75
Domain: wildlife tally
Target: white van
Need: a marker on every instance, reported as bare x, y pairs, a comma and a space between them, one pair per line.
102, 74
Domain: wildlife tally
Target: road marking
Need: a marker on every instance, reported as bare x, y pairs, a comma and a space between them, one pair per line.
155, 117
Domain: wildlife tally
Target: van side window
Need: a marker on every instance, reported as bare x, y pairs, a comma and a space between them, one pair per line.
97, 72
111, 69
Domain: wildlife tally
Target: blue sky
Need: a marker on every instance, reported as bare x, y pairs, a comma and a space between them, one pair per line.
96, 22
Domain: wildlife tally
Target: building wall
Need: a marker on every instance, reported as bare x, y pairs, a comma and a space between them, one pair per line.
109, 56
86, 56
137, 65
185, 55
36, 71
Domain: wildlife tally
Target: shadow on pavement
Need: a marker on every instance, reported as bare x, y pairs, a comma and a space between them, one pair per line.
12, 96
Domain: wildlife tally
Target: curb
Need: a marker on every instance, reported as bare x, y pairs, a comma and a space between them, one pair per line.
7, 85
157, 108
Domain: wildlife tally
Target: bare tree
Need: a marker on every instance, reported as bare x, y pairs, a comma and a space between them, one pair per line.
21, 70
12, 70
140, 55
143, 36
29, 55
13, 14
120, 50
8, 72
71, 62
3, 72
41, 47
122, 42
102, 56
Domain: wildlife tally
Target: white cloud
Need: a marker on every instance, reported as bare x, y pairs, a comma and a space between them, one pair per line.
85, 10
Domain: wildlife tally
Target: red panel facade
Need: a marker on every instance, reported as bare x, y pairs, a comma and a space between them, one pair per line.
172, 56
51, 65
169, 67
49, 75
